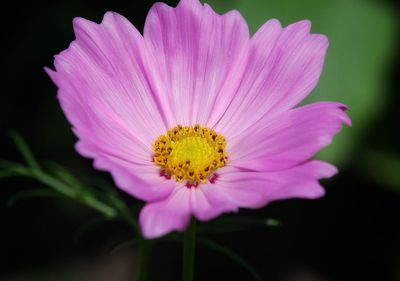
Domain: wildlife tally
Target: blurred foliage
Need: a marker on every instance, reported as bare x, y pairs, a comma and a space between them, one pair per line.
361, 35
61, 183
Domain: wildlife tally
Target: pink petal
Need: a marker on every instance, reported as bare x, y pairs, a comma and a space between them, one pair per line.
301, 181
161, 217
105, 67
208, 202
200, 55
105, 93
243, 189
284, 67
141, 181
287, 139
173, 213
255, 189
234, 188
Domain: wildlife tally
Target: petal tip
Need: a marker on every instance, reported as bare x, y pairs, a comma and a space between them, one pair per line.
345, 118
320, 38
114, 16
274, 22
301, 25
326, 170
49, 72
318, 193
157, 219
52, 74
78, 21
190, 3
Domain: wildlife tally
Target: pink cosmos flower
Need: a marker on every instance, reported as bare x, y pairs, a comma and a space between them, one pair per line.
195, 117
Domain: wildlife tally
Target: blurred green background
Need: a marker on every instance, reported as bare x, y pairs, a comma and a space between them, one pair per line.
363, 39
351, 234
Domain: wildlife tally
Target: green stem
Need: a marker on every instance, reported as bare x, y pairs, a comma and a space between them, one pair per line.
188, 252
144, 258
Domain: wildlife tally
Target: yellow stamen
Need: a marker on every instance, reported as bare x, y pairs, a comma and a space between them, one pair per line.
190, 153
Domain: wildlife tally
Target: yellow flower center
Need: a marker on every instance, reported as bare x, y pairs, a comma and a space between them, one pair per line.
190, 153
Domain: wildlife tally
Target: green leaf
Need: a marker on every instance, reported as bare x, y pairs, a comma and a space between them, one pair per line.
64, 183
91, 201
25, 151
104, 186
113, 198
32, 194
7, 173
16, 168
66, 176
57, 185
81, 191
54, 183
362, 37
232, 255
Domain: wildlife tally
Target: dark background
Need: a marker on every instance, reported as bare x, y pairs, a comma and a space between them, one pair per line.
351, 234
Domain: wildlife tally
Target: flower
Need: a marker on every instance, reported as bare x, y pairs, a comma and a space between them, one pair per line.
195, 117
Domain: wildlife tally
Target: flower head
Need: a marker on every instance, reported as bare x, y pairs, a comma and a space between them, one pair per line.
195, 117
